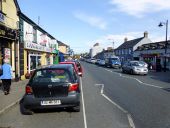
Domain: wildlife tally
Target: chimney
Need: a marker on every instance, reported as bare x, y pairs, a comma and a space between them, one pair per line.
126, 39
146, 34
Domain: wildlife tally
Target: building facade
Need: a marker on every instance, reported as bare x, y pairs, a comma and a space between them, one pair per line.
37, 47
126, 50
154, 53
9, 46
95, 50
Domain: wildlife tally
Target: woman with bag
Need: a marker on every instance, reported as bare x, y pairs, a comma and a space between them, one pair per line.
6, 76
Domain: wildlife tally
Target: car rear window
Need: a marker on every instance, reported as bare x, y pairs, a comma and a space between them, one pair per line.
51, 75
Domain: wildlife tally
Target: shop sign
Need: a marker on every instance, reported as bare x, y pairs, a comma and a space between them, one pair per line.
7, 53
33, 46
43, 39
38, 47
48, 49
2, 17
7, 32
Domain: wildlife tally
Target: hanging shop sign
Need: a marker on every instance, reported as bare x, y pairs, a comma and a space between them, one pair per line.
8, 33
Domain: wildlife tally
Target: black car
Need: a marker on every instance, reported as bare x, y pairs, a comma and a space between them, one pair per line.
55, 86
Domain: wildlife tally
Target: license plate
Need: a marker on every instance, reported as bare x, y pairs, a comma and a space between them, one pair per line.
51, 102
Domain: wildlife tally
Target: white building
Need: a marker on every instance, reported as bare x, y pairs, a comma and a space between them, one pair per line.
95, 50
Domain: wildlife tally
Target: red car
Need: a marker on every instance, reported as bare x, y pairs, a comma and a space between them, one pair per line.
77, 68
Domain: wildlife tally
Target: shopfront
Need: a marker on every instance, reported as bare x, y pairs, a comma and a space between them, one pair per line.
7, 37
36, 55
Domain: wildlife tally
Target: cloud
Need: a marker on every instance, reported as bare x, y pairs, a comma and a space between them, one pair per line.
116, 40
139, 8
92, 20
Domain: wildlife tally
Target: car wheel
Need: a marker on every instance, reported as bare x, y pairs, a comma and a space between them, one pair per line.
123, 70
25, 111
131, 72
76, 109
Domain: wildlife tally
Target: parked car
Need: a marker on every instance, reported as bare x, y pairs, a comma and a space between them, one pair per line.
113, 62
54, 86
79, 66
97, 61
134, 67
102, 62
79, 72
142, 63
93, 60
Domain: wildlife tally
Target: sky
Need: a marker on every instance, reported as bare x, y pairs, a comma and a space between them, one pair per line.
82, 23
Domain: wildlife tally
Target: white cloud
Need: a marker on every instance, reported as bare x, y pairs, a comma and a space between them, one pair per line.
139, 8
92, 20
107, 40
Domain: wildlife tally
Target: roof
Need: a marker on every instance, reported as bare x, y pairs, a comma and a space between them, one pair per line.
17, 5
61, 43
67, 62
153, 46
130, 43
60, 66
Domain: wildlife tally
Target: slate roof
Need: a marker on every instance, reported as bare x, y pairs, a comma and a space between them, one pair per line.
130, 43
61, 43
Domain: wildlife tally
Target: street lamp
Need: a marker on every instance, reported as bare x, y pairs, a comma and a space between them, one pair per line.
166, 42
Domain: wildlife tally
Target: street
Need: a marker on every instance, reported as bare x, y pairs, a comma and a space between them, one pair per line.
108, 96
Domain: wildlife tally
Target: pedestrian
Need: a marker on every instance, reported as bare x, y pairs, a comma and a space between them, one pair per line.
6, 76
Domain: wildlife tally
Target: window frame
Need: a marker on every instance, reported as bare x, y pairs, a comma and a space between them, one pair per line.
0, 5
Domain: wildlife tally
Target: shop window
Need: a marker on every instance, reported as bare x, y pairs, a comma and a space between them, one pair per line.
35, 61
48, 60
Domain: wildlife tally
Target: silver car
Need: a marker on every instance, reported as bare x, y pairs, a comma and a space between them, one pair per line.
134, 67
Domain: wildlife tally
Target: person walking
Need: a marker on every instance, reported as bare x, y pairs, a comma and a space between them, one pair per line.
6, 76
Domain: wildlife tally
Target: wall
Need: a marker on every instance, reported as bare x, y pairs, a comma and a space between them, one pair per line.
11, 20
62, 49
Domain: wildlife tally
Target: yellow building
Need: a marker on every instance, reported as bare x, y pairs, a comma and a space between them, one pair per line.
37, 47
9, 46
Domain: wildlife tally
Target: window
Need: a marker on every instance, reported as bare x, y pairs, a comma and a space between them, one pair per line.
0, 5
35, 61
130, 51
34, 35
51, 75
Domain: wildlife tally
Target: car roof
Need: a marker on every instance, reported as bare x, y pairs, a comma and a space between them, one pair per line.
67, 62
59, 66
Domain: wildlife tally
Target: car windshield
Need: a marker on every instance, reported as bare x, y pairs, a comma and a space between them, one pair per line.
135, 64
114, 59
51, 75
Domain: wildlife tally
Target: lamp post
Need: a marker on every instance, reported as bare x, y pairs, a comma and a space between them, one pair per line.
166, 42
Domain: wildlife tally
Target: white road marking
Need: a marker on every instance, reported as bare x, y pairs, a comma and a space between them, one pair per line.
83, 103
131, 123
120, 74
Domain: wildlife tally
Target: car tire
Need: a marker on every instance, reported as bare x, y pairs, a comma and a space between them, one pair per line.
123, 71
25, 111
131, 72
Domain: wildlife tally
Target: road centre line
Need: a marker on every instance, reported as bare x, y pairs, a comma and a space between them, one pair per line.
131, 123
151, 85
84, 110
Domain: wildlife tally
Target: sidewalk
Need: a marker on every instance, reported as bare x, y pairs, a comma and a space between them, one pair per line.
161, 76
12, 99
